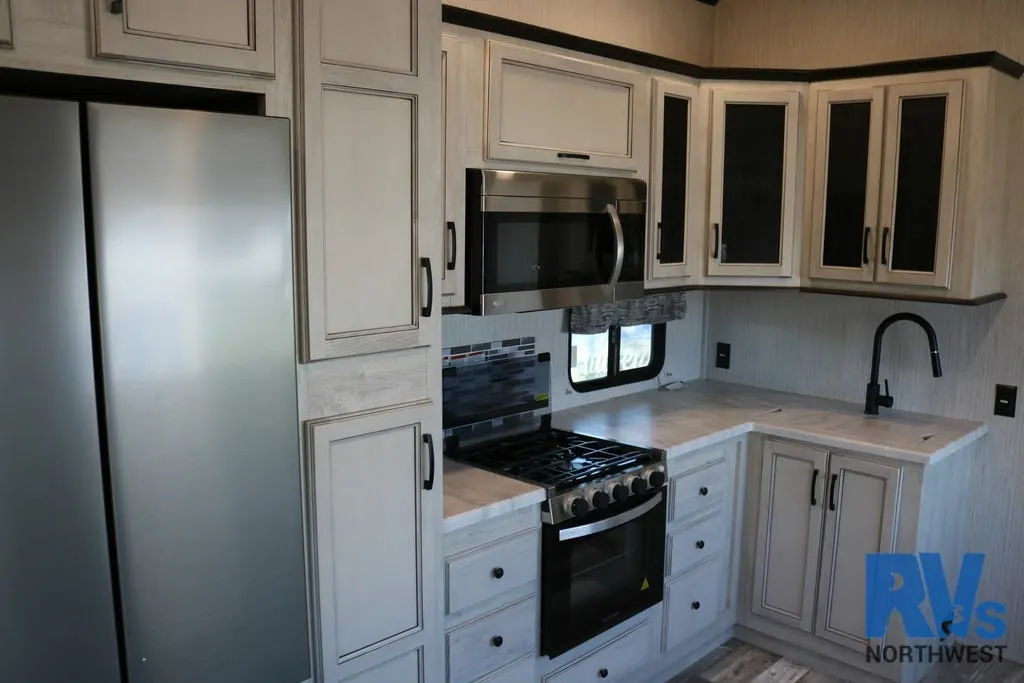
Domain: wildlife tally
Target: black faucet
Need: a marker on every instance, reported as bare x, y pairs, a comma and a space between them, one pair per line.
873, 398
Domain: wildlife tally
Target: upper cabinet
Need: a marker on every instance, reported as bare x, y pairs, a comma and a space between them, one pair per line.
909, 183
548, 108
677, 183
370, 151
224, 35
6, 31
754, 157
453, 112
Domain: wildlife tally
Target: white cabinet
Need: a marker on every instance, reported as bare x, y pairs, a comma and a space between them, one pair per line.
548, 108
371, 142
492, 641
619, 660
224, 35
6, 29
381, 464
693, 602
454, 108
677, 185
755, 143
789, 533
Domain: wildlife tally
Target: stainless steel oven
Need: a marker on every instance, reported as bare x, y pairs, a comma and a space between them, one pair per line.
543, 240
600, 568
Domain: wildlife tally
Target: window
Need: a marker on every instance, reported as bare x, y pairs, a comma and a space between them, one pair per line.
619, 355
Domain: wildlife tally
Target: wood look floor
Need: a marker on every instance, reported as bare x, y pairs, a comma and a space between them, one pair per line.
737, 662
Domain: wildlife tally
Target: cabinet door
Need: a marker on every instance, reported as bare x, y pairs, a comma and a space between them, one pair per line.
225, 35
547, 108
377, 541
847, 177
861, 519
754, 144
920, 170
789, 533
671, 177
453, 111
6, 30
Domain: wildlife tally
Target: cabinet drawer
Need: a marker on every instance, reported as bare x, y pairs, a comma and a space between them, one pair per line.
619, 660
523, 671
690, 546
692, 603
482, 574
698, 490
492, 641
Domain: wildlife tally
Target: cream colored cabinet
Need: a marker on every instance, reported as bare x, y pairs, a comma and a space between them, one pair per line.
6, 28
224, 35
755, 143
677, 185
549, 108
383, 464
370, 146
454, 109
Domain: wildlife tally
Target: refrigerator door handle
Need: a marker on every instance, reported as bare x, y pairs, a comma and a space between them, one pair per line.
428, 483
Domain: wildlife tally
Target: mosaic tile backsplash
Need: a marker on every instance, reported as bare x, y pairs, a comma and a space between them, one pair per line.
493, 387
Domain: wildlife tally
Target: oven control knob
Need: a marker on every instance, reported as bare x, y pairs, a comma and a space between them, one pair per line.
577, 507
620, 492
656, 479
600, 499
638, 485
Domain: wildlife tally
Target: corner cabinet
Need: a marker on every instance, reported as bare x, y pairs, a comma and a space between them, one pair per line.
677, 181
755, 143
547, 108
6, 28
222, 35
453, 128
377, 510
370, 111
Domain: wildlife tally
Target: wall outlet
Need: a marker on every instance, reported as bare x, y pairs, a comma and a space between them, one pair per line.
1006, 400
722, 354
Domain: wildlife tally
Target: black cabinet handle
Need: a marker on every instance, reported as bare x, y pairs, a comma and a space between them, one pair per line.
695, 605
573, 155
885, 246
700, 545
703, 490
498, 572
455, 246
117, 6
428, 484
603, 673
657, 254
429, 308
867, 237
832, 493
714, 254
814, 482
497, 641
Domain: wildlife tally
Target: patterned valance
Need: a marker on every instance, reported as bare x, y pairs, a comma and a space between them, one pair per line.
650, 309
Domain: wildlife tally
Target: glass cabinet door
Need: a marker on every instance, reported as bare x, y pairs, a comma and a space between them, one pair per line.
847, 171
754, 143
919, 183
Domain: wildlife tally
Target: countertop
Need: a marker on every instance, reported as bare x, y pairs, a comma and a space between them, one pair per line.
472, 495
706, 412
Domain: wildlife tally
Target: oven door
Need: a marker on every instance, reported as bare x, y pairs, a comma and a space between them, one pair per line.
541, 253
599, 570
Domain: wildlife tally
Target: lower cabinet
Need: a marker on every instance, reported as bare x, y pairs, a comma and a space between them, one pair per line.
492, 641
693, 602
619, 660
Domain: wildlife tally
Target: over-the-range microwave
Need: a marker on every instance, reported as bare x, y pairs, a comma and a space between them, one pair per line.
538, 241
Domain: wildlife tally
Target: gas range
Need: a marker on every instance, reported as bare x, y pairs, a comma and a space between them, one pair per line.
581, 473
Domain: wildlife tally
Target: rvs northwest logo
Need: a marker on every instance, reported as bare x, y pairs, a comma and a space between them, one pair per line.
903, 582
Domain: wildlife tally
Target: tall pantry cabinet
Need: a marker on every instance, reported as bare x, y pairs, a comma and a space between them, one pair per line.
368, 160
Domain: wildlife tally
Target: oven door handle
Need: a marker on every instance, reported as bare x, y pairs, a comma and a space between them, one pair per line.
620, 243
585, 530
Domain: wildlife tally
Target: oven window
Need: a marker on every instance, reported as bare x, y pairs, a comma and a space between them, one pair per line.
619, 355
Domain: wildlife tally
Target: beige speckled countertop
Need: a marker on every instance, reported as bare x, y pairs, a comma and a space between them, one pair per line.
472, 495
706, 412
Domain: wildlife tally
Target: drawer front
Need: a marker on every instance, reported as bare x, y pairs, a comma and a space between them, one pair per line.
492, 641
692, 545
698, 490
692, 603
483, 574
619, 660
522, 671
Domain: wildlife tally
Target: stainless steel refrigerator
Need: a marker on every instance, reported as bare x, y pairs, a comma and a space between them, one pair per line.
150, 489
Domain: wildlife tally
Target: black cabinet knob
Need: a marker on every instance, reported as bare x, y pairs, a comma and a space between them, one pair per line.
700, 545
656, 479
620, 493
603, 673
498, 572
601, 500
695, 605
497, 641
703, 490
639, 486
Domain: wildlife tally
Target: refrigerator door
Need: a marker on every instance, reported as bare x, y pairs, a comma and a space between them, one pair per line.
192, 218
56, 605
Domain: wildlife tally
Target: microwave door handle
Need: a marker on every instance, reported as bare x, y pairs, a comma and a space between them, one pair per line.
585, 530
620, 244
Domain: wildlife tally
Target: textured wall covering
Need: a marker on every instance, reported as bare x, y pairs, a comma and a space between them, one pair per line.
821, 345
680, 29
683, 347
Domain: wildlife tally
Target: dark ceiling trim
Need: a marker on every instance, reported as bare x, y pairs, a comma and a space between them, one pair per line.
516, 29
